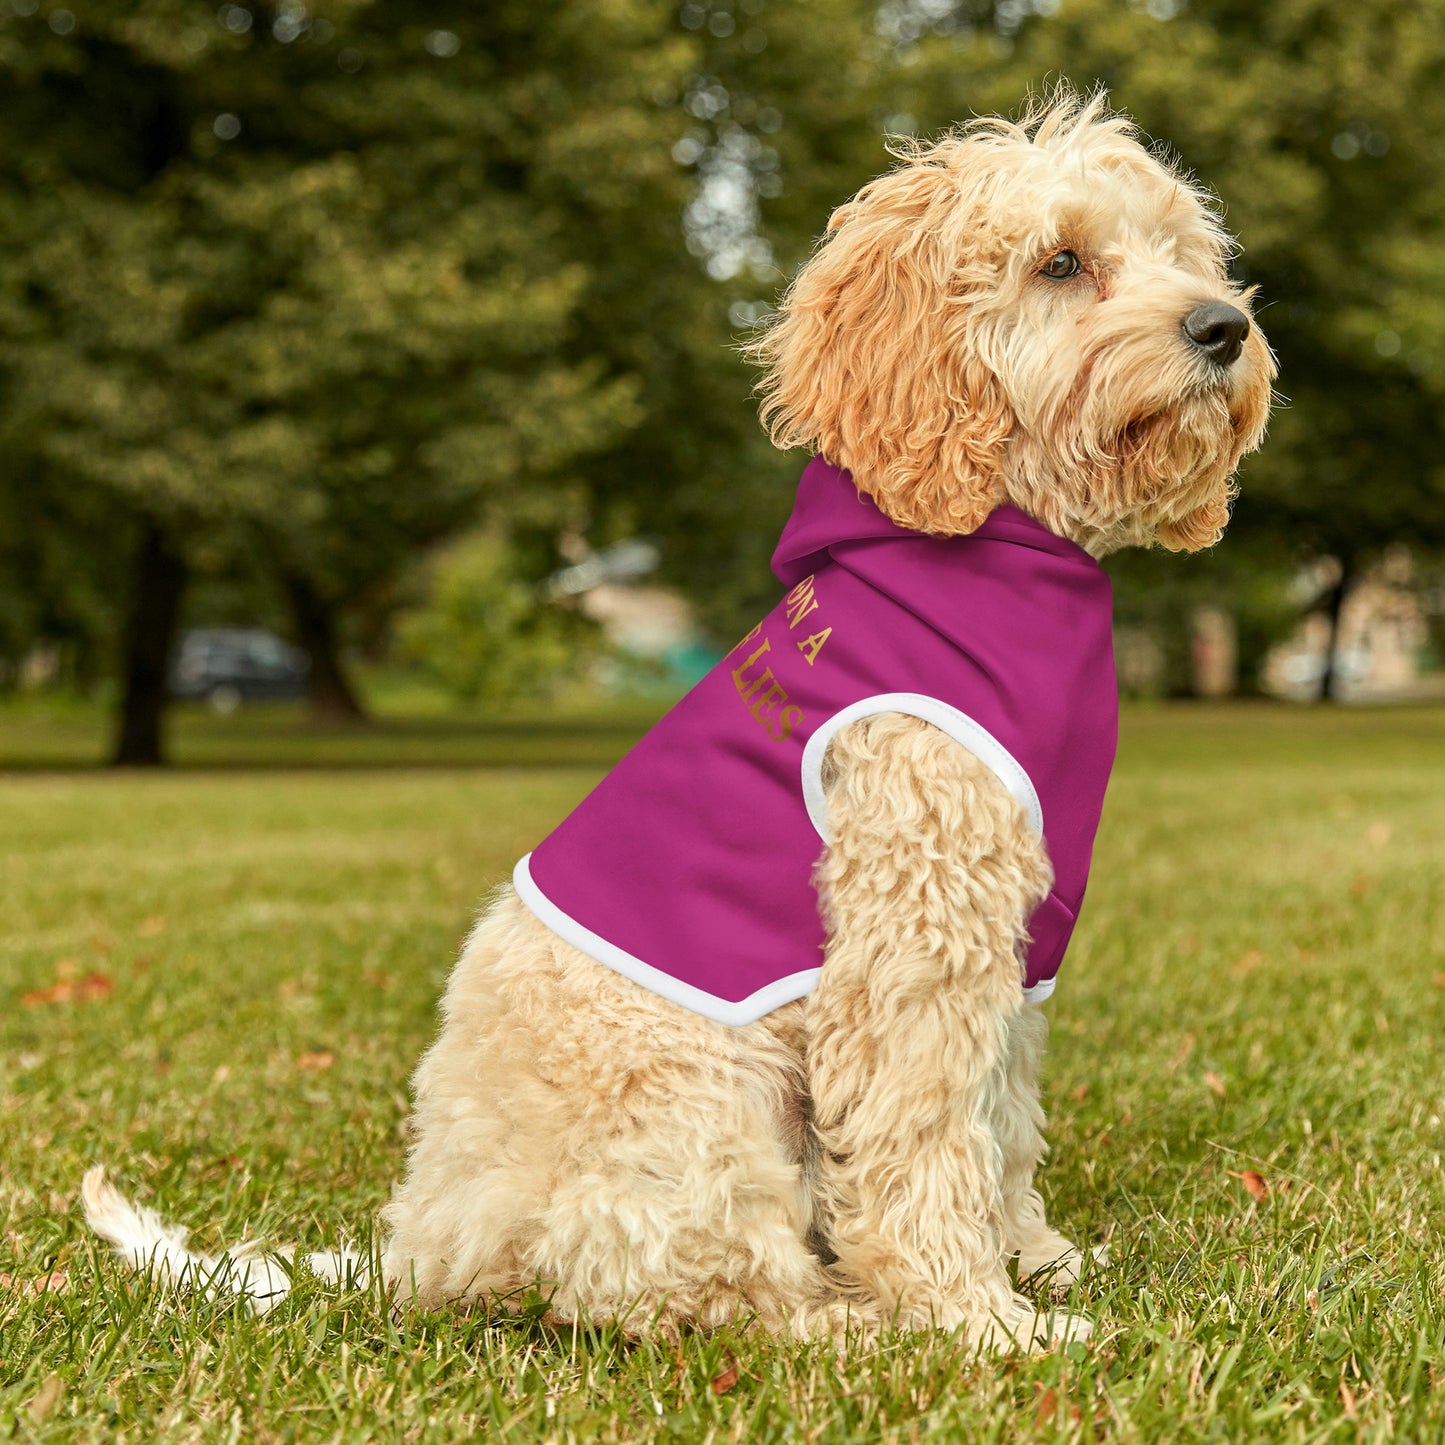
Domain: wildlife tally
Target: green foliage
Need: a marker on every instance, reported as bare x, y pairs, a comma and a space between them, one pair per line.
310, 286
485, 633
317, 286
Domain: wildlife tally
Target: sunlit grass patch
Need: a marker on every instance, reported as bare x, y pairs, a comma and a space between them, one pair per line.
1243, 1084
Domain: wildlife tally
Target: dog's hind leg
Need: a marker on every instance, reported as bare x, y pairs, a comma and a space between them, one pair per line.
576, 1135
926, 885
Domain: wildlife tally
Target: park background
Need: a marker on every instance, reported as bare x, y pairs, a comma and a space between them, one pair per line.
408, 333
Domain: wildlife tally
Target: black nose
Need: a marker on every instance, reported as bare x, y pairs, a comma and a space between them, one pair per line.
1218, 331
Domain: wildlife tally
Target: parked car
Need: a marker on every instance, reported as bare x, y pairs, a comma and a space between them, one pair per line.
230, 665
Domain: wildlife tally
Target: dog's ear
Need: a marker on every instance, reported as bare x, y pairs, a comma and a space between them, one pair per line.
874, 358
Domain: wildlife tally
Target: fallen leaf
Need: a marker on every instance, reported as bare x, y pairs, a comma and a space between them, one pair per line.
83, 990
1359, 887
1047, 1408
377, 978
1080, 1094
1254, 1183
151, 927
1248, 963
1214, 1083
1440, 980
724, 1382
56, 993
320, 1059
56, 1282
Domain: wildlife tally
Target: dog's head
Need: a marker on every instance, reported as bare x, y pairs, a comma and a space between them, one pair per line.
1036, 313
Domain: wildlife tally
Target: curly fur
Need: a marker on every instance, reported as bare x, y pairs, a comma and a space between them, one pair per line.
866, 1156
643, 1163
921, 349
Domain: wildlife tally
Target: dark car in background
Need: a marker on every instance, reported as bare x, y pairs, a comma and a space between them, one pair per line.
227, 666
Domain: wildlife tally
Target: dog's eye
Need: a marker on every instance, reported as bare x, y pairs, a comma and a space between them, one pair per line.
1060, 266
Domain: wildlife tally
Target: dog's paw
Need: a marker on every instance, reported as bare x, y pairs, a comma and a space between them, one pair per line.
1058, 1267
1023, 1326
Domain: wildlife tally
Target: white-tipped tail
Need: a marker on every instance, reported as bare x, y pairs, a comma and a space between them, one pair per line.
147, 1243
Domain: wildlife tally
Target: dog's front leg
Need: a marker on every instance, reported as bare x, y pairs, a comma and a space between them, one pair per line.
926, 887
1042, 1251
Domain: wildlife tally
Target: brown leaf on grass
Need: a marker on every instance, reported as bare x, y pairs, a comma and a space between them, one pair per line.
1046, 1407
151, 927
1440, 980
1254, 1183
1214, 1083
377, 978
1248, 963
318, 1060
1359, 886
56, 993
1080, 1094
56, 1282
80, 990
724, 1382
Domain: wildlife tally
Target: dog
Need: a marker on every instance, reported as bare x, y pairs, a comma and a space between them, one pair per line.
756, 1034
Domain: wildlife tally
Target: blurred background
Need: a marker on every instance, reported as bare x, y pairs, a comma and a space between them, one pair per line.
364, 359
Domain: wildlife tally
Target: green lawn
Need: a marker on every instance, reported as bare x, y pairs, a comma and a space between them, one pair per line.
217, 979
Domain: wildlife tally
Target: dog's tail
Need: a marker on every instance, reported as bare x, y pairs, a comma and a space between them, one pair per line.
147, 1243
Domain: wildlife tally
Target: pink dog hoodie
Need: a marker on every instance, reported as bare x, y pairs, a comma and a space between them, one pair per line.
689, 867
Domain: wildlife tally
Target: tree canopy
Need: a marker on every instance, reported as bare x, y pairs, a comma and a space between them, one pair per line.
300, 290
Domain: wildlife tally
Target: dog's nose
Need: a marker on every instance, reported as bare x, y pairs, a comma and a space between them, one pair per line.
1218, 331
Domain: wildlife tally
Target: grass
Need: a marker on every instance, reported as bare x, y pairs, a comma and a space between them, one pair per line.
229, 972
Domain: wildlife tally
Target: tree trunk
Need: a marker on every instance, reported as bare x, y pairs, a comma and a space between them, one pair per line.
333, 699
1329, 679
150, 630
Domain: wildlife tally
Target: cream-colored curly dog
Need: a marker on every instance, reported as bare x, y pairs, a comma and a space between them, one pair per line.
1032, 313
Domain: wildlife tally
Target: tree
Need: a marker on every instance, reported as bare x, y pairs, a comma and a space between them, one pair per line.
306, 289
